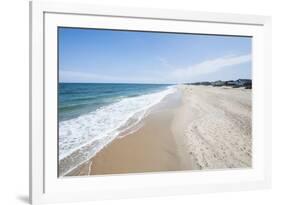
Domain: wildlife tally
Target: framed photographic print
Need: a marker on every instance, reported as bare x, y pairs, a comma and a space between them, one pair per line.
130, 102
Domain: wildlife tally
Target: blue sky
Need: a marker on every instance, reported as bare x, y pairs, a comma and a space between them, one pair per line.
106, 56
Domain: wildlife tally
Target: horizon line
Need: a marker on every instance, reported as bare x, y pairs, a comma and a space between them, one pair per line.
121, 83
155, 83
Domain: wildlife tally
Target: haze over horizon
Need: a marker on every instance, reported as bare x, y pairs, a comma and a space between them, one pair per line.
107, 56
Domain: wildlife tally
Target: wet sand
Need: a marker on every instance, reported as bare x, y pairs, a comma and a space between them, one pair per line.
151, 148
206, 128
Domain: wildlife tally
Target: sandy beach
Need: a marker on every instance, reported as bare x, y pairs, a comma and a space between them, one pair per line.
202, 127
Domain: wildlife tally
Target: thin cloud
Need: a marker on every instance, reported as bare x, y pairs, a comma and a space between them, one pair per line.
75, 76
173, 75
84, 77
209, 66
164, 62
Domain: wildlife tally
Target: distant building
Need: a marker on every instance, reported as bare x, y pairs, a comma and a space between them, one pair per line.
247, 83
218, 83
205, 83
244, 82
230, 83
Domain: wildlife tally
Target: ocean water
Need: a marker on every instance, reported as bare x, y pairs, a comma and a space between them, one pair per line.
91, 115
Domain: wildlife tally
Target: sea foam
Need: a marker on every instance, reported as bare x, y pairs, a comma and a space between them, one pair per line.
83, 137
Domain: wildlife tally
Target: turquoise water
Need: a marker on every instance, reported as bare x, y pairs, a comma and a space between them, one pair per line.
91, 115
76, 99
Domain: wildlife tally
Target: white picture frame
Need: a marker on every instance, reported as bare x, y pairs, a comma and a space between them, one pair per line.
46, 187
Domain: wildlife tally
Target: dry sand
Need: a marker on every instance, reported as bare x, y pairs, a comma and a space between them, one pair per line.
218, 134
206, 128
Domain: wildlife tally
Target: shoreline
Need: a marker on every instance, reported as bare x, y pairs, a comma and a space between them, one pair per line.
205, 128
151, 148
82, 137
